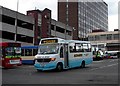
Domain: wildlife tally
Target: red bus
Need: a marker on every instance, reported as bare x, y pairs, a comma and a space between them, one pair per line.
10, 54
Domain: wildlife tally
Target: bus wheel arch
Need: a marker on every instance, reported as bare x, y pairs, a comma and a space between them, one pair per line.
59, 66
82, 64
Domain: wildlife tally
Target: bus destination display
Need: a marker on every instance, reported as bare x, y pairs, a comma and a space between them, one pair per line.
49, 41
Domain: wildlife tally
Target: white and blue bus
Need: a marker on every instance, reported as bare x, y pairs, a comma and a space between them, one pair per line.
59, 54
28, 54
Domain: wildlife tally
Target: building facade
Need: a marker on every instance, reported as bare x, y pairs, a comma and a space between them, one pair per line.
61, 30
109, 41
83, 16
30, 28
42, 23
24, 28
46, 27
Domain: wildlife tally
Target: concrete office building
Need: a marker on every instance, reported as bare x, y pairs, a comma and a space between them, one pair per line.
109, 40
31, 27
83, 16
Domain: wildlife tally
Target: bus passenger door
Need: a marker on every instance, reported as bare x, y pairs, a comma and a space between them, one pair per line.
65, 55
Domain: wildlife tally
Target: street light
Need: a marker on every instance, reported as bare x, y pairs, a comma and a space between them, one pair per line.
73, 29
15, 38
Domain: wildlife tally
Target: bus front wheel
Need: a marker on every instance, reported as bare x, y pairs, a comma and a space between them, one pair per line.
59, 67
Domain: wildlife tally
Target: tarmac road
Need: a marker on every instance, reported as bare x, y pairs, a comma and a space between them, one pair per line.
99, 72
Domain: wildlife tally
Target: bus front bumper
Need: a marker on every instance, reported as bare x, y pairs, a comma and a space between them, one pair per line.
45, 66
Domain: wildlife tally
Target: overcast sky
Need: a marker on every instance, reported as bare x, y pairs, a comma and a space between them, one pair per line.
25, 5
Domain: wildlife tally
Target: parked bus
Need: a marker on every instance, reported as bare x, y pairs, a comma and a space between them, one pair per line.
28, 54
59, 54
10, 54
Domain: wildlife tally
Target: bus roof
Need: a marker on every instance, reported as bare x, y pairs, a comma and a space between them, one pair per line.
76, 41
59, 40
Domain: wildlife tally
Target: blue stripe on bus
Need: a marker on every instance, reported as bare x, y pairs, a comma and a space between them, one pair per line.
49, 66
27, 61
29, 47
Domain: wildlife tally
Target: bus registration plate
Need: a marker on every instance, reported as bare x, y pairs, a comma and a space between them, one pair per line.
14, 61
42, 64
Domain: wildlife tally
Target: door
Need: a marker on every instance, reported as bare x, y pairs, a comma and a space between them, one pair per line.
66, 57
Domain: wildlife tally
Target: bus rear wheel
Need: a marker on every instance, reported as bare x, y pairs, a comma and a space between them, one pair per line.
59, 67
83, 64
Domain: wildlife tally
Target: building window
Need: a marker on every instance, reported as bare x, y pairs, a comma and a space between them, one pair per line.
8, 20
52, 27
25, 25
7, 35
68, 32
59, 29
109, 37
116, 36
24, 38
103, 37
90, 38
97, 37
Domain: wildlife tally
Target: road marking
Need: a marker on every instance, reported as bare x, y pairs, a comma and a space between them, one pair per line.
113, 60
104, 66
98, 61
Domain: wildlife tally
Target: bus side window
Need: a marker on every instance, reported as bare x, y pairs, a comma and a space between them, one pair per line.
71, 49
22, 53
28, 52
35, 51
89, 48
61, 52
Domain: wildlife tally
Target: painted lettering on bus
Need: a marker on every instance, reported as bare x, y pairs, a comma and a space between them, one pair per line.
86, 54
77, 55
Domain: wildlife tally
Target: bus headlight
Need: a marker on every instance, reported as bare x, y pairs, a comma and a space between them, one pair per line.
35, 56
53, 59
35, 61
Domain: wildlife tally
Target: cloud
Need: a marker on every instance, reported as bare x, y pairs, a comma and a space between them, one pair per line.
9, 4
25, 5
50, 4
113, 22
112, 6
112, 14
38, 4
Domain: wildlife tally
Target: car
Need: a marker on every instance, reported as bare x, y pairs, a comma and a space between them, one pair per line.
106, 56
112, 54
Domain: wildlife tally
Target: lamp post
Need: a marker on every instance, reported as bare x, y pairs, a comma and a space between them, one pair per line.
65, 31
73, 29
66, 19
55, 29
15, 37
